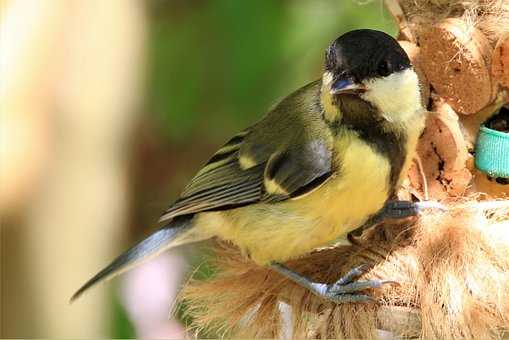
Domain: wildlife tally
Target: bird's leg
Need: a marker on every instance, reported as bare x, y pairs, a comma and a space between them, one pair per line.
395, 209
403, 209
342, 291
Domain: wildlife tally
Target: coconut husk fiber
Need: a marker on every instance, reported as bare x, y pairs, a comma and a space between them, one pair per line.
452, 270
456, 60
462, 45
446, 154
491, 17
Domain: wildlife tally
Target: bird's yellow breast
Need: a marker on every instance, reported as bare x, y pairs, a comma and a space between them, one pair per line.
278, 232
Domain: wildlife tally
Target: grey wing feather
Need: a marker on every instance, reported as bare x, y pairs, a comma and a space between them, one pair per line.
221, 182
245, 188
297, 161
298, 171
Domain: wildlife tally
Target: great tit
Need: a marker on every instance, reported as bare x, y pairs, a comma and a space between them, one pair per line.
320, 164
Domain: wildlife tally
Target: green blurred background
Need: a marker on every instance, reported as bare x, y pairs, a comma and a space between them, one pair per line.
211, 68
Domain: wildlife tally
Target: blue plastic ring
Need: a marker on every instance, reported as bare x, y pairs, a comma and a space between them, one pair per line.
492, 152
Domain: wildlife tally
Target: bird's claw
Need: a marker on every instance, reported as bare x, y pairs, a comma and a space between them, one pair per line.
344, 289
423, 205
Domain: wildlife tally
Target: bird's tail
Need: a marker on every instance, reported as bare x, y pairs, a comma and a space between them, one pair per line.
171, 235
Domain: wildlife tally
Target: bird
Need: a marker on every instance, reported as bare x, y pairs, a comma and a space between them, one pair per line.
322, 162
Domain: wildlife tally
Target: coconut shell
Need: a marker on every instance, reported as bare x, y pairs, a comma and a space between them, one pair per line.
500, 64
444, 156
457, 62
413, 53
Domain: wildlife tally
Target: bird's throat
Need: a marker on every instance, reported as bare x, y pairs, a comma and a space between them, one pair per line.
331, 111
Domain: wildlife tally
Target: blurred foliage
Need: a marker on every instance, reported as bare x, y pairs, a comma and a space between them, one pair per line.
121, 326
216, 66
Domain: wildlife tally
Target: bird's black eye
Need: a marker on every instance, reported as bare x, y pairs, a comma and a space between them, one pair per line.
384, 68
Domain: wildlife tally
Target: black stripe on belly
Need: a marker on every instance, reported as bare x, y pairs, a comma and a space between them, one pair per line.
381, 135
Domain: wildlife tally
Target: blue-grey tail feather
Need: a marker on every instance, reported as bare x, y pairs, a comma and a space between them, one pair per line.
153, 244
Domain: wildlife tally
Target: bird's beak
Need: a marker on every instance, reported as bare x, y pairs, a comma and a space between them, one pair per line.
347, 86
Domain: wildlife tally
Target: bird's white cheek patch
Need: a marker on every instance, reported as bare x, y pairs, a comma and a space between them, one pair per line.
327, 79
397, 95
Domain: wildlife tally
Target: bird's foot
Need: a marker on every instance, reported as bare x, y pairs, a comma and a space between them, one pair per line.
404, 209
344, 290
347, 289
395, 210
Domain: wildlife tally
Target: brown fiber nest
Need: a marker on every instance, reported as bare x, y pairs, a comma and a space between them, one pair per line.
462, 44
489, 16
452, 269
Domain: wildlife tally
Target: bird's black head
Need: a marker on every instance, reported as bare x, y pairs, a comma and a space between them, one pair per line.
360, 55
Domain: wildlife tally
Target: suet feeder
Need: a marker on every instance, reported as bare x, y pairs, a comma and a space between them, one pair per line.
452, 267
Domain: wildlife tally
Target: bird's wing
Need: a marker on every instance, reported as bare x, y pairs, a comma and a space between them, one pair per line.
264, 163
